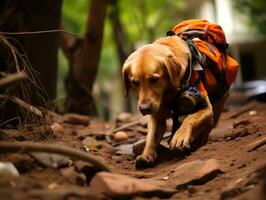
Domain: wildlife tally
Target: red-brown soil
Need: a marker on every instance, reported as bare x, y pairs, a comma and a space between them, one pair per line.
229, 143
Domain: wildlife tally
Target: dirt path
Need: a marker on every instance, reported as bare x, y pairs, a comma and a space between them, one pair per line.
236, 149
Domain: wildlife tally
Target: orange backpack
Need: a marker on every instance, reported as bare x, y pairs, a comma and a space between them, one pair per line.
219, 69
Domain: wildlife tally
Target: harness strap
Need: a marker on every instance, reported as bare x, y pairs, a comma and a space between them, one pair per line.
200, 61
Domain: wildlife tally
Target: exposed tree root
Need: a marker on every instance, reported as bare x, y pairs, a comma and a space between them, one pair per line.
26, 147
12, 78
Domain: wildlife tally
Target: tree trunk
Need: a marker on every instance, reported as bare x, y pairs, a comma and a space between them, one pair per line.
85, 68
84, 61
123, 46
42, 49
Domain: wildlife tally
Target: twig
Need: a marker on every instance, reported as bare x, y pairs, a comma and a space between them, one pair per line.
12, 49
12, 78
26, 147
22, 104
256, 144
10, 120
39, 32
242, 111
124, 126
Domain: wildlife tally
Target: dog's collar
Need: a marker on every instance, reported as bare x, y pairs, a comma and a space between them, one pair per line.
195, 61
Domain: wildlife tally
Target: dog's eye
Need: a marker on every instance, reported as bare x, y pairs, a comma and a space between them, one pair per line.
135, 83
153, 79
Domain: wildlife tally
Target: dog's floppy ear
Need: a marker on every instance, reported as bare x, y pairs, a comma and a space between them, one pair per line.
125, 71
175, 70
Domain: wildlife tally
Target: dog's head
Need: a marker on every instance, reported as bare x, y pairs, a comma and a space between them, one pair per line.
153, 69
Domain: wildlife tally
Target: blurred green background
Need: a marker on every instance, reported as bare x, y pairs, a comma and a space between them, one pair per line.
144, 21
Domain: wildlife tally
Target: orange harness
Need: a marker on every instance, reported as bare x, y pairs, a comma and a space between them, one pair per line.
218, 70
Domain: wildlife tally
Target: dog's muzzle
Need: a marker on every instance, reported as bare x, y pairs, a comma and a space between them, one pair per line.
145, 108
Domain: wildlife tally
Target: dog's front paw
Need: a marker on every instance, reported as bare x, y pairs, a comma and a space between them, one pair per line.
146, 160
181, 140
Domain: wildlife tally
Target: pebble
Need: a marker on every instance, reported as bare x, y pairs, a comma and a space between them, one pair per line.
8, 168
124, 117
139, 146
252, 112
120, 136
57, 128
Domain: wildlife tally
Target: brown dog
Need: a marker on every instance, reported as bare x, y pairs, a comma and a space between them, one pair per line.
155, 72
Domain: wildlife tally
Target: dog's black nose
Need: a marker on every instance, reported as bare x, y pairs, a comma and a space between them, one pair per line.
145, 108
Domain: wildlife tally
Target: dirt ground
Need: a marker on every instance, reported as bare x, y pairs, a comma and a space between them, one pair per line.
241, 162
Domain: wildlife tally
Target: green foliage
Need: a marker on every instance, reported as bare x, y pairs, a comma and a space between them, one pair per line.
146, 20
74, 15
143, 21
256, 10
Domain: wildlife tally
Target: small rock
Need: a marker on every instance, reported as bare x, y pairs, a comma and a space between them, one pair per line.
52, 186
89, 140
57, 128
72, 118
124, 149
252, 112
139, 146
8, 169
120, 136
241, 123
228, 138
51, 160
117, 185
254, 145
91, 144
124, 117
195, 172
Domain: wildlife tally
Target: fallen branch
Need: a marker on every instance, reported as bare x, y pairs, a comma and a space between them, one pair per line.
12, 78
25, 147
240, 112
22, 104
124, 126
258, 143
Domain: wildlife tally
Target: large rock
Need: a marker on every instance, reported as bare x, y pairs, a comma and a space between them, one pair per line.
116, 185
195, 173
